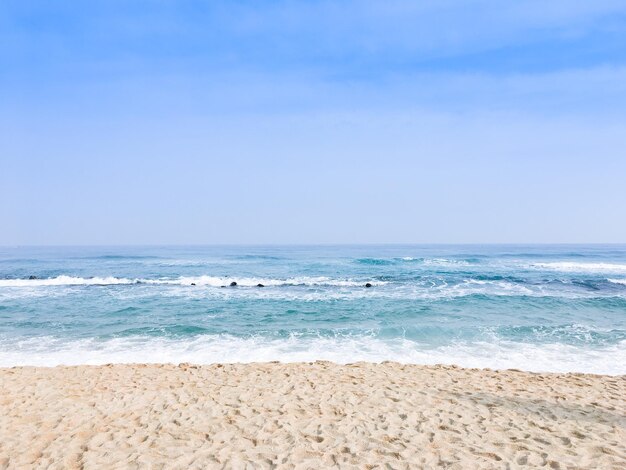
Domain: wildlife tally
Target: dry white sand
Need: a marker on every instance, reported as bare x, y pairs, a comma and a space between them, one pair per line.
318, 415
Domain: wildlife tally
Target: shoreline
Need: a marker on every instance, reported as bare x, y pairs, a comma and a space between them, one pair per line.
214, 349
309, 415
186, 364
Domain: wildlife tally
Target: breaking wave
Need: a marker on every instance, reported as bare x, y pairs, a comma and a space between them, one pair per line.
207, 349
210, 281
568, 266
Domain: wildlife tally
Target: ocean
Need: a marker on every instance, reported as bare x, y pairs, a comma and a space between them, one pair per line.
557, 308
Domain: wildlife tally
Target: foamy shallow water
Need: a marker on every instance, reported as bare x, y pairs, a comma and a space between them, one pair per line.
207, 349
539, 308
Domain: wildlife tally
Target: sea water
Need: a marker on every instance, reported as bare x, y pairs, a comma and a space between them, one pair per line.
538, 308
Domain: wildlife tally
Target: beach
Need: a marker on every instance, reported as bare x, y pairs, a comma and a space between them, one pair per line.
308, 415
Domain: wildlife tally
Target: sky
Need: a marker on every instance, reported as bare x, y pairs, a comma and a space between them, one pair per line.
271, 122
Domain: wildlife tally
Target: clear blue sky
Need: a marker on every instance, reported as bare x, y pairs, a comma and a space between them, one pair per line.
312, 122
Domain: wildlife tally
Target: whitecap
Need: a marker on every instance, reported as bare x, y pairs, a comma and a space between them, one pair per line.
65, 281
210, 281
568, 266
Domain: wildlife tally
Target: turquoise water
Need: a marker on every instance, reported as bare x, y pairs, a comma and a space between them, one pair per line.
543, 308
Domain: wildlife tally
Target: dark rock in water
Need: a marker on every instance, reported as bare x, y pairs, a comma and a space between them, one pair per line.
233, 284
193, 283
368, 285
260, 285
32, 277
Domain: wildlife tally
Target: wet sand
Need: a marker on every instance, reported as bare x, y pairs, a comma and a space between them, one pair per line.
308, 415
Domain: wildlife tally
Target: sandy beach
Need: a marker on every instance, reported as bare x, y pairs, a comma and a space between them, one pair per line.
308, 415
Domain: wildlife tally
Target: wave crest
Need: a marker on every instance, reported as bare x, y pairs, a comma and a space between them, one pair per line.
208, 281
569, 266
65, 281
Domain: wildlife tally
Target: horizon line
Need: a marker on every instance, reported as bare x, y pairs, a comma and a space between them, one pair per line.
320, 244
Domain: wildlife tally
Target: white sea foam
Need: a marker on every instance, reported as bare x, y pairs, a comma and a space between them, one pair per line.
211, 281
567, 266
208, 349
476, 286
445, 262
436, 261
618, 281
65, 281
319, 288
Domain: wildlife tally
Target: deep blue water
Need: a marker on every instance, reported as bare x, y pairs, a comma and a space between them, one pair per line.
553, 308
